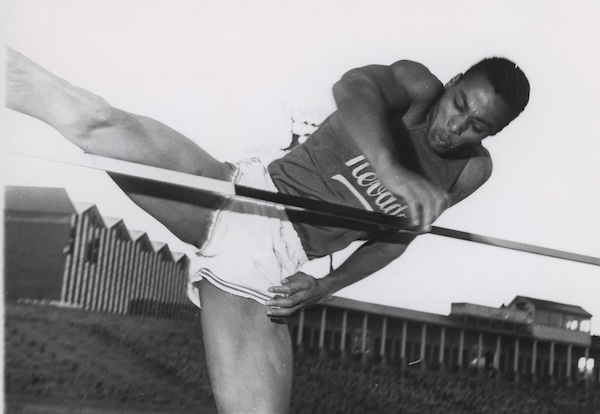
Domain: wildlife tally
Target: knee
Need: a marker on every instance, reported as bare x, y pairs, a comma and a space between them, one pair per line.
89, 113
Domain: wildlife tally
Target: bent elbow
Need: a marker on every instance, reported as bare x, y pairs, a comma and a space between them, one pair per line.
353, 84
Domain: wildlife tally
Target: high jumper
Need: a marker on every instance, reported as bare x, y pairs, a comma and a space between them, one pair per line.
400, 143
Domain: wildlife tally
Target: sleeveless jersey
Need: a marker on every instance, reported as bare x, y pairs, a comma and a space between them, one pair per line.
334, 170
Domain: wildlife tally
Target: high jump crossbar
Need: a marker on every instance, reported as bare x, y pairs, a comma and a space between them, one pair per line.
187, 187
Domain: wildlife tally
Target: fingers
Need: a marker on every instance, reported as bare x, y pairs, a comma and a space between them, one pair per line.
288, 301
292, 284
425, 204
286, 306
283, 312
279, 308
296, 292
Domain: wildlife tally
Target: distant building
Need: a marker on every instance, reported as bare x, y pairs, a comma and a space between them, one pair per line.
530, 338
38, 227
66, 253
554, 321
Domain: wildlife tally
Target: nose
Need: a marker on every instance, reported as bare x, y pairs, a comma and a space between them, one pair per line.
456, 125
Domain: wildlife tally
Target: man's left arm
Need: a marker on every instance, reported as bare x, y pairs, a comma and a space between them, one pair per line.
303, 290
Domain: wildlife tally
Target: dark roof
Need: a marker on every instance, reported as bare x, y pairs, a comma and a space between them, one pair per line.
553, 306
135, 234
52, 200
144, 240
49, 200
390, 311
179, 257
82, 207
112, 221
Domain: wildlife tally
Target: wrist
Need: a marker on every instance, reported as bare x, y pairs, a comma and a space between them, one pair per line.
332, 283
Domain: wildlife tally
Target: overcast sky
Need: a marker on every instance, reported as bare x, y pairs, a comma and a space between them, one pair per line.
230, 75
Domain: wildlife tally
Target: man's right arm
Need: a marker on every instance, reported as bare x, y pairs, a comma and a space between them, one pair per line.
364, 97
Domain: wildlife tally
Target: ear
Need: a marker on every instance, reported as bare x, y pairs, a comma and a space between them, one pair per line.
452, 81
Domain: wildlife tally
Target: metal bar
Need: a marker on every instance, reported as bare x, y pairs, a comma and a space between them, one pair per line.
186, 187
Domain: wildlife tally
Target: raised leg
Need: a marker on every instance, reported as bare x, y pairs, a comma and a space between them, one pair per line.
91, 123
249, 357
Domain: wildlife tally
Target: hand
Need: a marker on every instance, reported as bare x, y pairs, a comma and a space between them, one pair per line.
425, 201
302, 290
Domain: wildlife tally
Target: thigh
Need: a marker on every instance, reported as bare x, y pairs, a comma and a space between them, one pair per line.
190, 222
136, 138
144, 140
249, 357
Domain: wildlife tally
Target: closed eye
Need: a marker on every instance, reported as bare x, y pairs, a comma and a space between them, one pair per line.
480, 125
458, 105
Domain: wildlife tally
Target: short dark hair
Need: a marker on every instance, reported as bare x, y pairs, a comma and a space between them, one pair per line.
507, 79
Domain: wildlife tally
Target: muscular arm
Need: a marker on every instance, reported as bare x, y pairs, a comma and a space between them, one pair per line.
372, 256
365, 96
303, 290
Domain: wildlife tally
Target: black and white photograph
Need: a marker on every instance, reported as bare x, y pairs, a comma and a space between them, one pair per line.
345, 207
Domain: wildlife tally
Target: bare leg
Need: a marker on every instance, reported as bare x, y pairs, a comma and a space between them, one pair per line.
91, 123
249, 357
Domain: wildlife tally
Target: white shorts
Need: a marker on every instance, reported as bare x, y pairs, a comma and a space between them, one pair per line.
251, 246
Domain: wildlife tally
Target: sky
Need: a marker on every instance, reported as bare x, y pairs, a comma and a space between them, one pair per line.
230, 75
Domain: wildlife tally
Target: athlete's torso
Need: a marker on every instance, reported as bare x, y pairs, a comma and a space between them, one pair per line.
331, 168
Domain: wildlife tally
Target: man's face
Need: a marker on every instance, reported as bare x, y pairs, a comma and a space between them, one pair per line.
468, 111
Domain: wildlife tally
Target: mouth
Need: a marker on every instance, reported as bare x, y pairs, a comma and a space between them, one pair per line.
441, 140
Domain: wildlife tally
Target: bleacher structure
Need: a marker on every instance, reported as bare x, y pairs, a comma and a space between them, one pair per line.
68, 253
96, 317
527, 339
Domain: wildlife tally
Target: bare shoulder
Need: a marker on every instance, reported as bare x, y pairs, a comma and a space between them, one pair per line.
417, 80
477, 171
403, 84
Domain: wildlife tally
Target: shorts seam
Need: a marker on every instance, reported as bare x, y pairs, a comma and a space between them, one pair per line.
220, 210
231, 288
